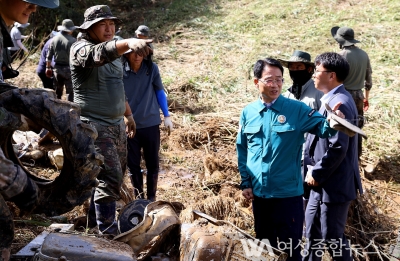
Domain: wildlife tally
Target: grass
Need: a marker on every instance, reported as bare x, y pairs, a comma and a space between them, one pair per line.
215, 50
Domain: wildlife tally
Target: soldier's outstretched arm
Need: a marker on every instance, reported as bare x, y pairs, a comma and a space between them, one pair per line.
139, 46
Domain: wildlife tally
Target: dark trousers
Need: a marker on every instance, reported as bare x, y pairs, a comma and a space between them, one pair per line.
62, 77
47, 82
358, 98
149, 140
325, 223
280, 218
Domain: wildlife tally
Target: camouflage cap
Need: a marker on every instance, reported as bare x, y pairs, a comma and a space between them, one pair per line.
297, 56
95, 14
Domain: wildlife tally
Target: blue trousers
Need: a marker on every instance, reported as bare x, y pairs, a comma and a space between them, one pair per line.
149, 140
325, 223
280, 218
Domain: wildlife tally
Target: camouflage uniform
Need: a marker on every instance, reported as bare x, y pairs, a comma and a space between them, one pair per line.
96, 73
15, 186
112, 144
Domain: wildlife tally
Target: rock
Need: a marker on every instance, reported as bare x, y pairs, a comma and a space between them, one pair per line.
369, 168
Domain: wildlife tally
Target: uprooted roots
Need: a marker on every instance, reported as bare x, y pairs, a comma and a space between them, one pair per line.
368, 228
221, 208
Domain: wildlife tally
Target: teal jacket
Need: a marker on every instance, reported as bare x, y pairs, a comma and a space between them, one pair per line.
269, 146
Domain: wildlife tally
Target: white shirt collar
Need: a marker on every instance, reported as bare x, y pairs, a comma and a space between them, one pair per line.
268, 105
327, 96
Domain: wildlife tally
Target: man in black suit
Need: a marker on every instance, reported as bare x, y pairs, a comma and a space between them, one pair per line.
331, 165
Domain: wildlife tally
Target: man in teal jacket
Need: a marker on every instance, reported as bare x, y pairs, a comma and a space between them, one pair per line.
269, 144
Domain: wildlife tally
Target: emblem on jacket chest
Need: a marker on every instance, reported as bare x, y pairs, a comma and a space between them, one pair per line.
281, 119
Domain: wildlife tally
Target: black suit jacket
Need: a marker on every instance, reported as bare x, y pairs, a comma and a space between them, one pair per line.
335, 159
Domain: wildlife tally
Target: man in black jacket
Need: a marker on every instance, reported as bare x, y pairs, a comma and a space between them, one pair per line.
331, 165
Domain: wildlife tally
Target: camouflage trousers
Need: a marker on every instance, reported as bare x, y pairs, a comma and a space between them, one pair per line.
6, 226
12, 182
111, 143
358, 98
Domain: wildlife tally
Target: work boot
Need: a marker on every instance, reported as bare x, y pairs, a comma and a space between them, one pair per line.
105, 218
92, 214
137, 184
151, 179
88, 221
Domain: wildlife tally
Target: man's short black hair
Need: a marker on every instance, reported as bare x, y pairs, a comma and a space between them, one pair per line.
334, 62
260, 65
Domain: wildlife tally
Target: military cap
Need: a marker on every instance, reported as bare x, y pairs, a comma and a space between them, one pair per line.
95, 14
297, 56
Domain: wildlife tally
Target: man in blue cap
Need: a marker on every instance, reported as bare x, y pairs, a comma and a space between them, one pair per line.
15, 185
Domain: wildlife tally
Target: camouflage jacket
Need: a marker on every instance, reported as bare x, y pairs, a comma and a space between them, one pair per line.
5, 41
7, 119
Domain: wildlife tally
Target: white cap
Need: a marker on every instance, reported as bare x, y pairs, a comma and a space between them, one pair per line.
18, 25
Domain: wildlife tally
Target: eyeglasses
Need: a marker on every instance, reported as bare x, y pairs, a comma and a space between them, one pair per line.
270, 82
315, 71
